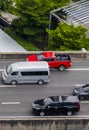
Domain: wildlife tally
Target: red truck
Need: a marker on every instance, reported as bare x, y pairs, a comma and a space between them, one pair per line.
55, 60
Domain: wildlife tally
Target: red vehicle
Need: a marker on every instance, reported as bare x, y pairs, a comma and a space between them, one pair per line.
56, 61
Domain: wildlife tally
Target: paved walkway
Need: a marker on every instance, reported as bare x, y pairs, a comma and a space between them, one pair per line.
7, 44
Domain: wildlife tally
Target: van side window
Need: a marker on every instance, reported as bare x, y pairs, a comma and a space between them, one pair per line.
14, 73
34, 73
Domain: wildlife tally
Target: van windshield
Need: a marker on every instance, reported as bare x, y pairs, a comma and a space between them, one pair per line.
9, 69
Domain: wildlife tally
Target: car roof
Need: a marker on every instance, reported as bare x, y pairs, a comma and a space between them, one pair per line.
71, 99
54, 99
29, 65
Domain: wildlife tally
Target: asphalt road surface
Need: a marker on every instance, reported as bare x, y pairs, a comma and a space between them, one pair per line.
16, 100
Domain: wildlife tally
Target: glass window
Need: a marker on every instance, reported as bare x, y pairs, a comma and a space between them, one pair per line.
9, 69
86, 89
49, 59
62, 57
34, 73
40, 56
14, 73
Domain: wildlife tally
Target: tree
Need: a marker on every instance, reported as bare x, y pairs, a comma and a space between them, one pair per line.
33, 18
68, 37
5, 4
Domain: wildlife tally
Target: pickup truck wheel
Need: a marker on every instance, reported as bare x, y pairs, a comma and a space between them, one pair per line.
40, 82
42, 113
69, 113
13, 82
61, 68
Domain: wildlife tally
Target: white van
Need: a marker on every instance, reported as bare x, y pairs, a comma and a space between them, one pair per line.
26, 72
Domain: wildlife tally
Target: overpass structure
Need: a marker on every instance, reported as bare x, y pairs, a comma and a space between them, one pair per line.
76, 13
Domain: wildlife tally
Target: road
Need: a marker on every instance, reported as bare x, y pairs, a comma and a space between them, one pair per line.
17, 100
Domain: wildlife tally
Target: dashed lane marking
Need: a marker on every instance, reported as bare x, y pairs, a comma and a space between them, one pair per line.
7, 86
78, 69
10, 103
84, 102
2, 69
78, 85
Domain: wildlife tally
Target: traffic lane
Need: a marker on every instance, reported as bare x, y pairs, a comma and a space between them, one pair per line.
22, 109
75, 64
17, 101
80, 64
67, 78
6, 62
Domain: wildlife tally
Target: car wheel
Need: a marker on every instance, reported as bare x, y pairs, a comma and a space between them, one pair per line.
40, 82
69, 113
61, 68
13, 82
42, 113
81, 97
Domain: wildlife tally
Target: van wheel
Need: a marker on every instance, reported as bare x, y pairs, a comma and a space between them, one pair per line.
61, 68
40, 82
13, 82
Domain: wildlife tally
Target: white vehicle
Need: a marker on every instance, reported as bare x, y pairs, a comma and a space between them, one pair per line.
26, 72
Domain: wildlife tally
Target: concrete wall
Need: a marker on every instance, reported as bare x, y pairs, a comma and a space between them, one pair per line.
23, 55
45, 124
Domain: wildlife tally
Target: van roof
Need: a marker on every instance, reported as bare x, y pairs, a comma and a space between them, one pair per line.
29, 65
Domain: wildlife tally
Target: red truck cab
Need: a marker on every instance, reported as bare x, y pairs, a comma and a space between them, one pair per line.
56, 61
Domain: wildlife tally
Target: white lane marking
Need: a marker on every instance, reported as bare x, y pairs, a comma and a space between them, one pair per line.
84, 102
77, 85
7, 86
2, 69
78, 69
72, 69
10, 103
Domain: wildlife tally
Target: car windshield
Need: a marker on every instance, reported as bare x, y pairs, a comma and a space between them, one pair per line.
40, 56
85, 89
8, 69
47, 101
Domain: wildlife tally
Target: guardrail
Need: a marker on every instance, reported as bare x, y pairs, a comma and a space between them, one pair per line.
23, 55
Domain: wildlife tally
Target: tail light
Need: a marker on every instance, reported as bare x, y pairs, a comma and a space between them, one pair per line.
78, 105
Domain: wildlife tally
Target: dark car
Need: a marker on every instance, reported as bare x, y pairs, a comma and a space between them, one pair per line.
56, 105
82, 92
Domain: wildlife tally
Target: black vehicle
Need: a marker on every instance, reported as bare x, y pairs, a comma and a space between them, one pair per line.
56, 105
82, 92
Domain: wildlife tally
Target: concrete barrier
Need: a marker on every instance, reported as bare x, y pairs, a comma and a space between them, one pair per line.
78, 55
46, 123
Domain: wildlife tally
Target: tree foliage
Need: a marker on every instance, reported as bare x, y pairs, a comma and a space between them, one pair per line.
68, 37
5, 5
33, 17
